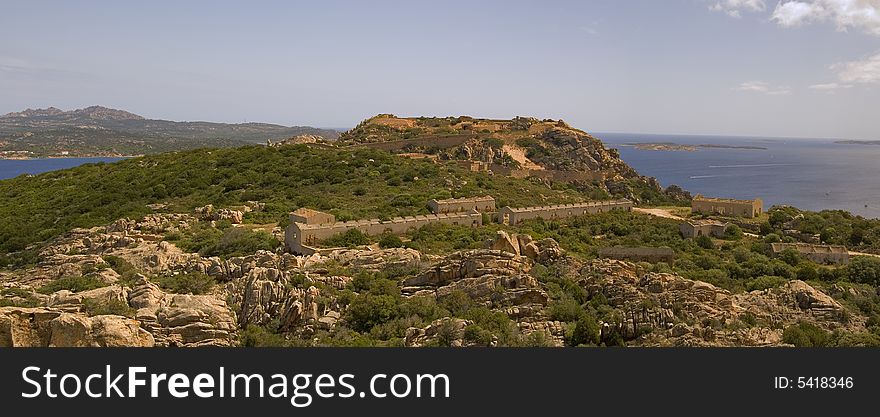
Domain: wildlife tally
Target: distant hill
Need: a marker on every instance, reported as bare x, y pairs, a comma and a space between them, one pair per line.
101, 131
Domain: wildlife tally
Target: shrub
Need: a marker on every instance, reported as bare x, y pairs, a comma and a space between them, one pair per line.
864, 269
190, 283
586, 331
733, 232
75, 284
704, 242
237, 241
390, 240
565, 310
805, 335
351, 238
108, 307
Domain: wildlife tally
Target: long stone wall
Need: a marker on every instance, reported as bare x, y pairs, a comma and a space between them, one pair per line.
456, 205
440, 141
512, 216
299, 236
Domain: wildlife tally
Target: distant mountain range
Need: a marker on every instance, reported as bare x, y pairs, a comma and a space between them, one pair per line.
102, 131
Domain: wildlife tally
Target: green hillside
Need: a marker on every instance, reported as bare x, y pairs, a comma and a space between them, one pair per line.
352, 184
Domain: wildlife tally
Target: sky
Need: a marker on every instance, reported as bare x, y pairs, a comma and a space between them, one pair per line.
802, 68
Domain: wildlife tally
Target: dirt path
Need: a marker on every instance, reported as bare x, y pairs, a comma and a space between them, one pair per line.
666, 214
519, 155
851, 253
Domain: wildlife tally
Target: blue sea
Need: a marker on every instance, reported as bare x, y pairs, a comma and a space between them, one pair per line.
812, 174
11, 168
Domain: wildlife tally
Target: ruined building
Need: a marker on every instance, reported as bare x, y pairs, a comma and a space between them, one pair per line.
485, 204
309, 227
512, 216
820, 254
727, 206
694, 228
300, 237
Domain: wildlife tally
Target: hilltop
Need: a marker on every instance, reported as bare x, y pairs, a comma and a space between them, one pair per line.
102, 131
522, 146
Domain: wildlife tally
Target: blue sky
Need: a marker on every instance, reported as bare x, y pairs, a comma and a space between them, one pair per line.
736, 67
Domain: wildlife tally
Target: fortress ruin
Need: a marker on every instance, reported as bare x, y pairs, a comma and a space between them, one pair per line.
485, 204
727, 206
695, 228
512, 216
309, 227
820, 254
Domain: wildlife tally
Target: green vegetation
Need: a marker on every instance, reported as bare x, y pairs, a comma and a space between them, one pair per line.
350, 239
835, 227
17, 297
75, 284
224, 241
351, 184
191, 283
806, 335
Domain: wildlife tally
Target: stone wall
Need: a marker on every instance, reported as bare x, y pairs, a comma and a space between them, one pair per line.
820, 254
441, 142
512, 216
727, 207
690, 230
299, 236
456, 205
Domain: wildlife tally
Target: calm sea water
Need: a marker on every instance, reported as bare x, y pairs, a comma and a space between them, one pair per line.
11, 168
811, 174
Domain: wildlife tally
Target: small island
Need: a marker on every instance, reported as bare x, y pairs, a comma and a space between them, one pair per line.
670, 146
858, 142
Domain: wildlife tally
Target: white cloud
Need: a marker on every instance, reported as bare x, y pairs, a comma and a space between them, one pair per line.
858, 14
734, 8
764, 88
864, 71
830, 87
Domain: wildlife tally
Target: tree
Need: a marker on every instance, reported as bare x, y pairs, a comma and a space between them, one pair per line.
864, 269
390, 240
704, 242
586, 331
733, 232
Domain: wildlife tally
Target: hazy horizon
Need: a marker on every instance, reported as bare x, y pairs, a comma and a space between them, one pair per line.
754, 68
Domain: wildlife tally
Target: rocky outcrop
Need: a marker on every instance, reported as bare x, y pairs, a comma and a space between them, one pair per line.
267, 296
209, 213
183, 319
446, 331
668, 310
45, 327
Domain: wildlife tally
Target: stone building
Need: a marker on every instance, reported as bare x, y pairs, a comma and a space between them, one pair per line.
300, 237
512, 216
727, 206
694, 228
639, 254
308, 216
820, 254
455, 205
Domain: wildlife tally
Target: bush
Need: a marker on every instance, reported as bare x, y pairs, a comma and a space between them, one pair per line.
864, 270
805, 335
75, 284
390, 240
733, 232
108, 307
704, 242
191, 283
350, 239
565, 310
586, 332
237, 241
